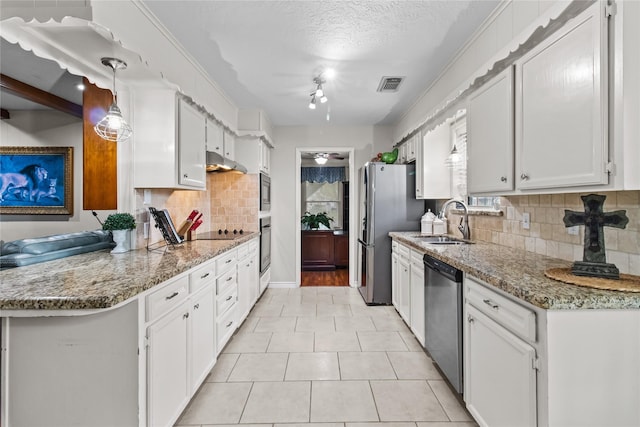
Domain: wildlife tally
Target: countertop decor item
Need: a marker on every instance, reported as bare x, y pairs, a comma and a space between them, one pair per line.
313, 221
594, 261
625, 283
119, 224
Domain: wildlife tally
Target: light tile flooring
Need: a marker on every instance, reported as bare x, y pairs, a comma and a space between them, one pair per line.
316, 355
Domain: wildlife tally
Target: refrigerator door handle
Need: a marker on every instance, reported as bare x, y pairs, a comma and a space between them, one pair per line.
366, 245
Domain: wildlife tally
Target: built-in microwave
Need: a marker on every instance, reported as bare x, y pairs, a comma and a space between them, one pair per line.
265, 193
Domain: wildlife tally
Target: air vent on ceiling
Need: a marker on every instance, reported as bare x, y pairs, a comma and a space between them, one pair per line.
389, 84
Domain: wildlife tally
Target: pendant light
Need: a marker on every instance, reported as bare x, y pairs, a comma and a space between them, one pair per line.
113, 126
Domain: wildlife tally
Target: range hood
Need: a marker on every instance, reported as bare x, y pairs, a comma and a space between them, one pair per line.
218, 163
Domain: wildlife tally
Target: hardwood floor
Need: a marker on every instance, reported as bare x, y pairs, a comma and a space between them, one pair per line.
337, 277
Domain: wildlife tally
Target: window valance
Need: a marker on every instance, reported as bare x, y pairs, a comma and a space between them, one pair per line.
329, 174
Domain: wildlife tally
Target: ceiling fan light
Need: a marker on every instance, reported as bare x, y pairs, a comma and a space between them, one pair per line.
321, 160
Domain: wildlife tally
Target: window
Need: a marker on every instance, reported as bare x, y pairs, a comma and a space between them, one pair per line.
323, 197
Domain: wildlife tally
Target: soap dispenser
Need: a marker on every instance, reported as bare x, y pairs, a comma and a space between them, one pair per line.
426, 223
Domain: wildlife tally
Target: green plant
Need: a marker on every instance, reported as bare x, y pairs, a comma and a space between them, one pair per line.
119, 221
313, 221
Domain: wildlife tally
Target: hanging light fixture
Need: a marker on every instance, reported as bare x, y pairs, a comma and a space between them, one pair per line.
312, 103
113, 126
321, 158
318, 94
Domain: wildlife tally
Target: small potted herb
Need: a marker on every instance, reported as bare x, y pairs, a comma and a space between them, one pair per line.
119, 224
313, 221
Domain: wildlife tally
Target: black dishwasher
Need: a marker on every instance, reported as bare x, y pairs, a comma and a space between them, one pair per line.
443, 318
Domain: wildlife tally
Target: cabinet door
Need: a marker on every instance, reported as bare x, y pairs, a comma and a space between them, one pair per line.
490, 143
561, 127
245, 276
203, 344
167, 382
433, 177
404, 293
191, 141
229, 146
417, 300
395, 286
215, 137
317, 250
500, 378
265, 158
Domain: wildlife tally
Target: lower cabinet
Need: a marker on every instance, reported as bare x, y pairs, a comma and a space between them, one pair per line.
416, 280
404, 283
203, 345
318, 250
248, 278
394, 274
500, 365
167, 367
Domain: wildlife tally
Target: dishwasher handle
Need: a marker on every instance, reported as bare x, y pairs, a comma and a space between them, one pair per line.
442, 268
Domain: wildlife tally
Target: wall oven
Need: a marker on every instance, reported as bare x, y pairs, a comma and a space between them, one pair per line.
265, 193
265, 244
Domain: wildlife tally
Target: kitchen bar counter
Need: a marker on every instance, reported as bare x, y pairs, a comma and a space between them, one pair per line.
521, 274
99, 280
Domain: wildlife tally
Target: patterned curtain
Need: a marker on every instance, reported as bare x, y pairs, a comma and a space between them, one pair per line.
323, 174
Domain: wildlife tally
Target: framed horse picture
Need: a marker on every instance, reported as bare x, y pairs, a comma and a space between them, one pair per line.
36, 180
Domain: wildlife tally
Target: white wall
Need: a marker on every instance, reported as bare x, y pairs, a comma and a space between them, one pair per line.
366, 140
46, 128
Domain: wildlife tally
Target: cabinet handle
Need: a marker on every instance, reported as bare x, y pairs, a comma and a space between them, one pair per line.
491, 304
524, 177
204, 276
503, 178
173, 295
470, 319
185, 316
197, 306
229, 278
186, 175
229, 297
228, 261
229, 324
249, 265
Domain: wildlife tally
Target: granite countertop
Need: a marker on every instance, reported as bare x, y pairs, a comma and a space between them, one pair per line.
98, 280
521, 274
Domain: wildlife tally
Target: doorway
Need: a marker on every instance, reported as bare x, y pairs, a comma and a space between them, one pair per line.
325, 253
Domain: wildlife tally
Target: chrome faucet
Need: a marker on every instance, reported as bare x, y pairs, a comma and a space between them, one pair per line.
464, 222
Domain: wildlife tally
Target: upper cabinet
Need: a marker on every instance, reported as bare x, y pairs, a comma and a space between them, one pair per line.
490, 142
433, 175
229, 145
215, 137
561, 107
254, 153
169, 141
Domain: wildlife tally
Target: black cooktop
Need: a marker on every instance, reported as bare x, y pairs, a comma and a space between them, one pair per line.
220, 235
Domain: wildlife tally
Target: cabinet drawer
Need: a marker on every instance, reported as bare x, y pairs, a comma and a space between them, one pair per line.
253, 245
169, 296
394, 246
202, 275
226, 301
226, 281
509, 314
417, 257
243, 251
404, 250
225, 326
226, 261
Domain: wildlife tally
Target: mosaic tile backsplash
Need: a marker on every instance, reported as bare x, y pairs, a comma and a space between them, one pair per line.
547, 234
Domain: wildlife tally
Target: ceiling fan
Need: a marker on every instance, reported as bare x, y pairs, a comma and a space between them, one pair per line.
322, 158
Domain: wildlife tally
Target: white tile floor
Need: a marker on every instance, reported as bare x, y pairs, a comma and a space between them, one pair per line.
320, 357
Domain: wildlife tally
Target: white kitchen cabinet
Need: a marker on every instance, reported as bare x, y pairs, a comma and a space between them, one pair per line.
404, 284
167, 367
169, 141
561, 107
248, 278
394, 274
226, 298
402, 154
417, 311
215, 137
254, 153
192, 146
203, 343
411, 148
500, 366
433, 176
490, 142
229, 145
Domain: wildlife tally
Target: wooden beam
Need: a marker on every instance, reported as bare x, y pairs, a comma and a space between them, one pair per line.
39, 96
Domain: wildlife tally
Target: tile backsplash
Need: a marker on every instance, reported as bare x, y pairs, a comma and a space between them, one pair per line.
231, 201
547, 234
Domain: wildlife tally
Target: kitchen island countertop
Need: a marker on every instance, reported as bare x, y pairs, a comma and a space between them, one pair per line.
98, 280
521, 274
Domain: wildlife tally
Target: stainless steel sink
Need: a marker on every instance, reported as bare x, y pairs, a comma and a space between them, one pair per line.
443, 240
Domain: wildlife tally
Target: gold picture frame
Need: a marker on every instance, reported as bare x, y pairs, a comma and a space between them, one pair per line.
36, 180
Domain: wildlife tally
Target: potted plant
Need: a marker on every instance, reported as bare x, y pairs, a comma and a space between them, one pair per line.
313, 221
119, 224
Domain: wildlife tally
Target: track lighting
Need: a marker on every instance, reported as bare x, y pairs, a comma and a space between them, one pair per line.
312, 104
113, 126
318, 94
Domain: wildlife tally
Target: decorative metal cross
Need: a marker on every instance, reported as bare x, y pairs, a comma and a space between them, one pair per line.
594, 262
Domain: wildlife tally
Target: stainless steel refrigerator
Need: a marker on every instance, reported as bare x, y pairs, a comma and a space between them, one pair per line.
387, 203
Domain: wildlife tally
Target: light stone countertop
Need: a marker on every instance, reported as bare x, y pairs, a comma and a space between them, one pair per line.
98, 280
521, 274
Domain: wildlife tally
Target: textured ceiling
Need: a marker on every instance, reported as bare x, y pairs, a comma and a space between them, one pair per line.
265, 54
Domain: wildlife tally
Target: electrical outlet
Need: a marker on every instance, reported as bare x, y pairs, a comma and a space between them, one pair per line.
574, 231
526, 220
